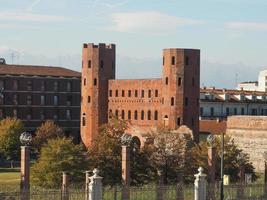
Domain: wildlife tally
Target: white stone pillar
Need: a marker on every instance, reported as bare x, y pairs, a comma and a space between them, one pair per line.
95, 186
200, 185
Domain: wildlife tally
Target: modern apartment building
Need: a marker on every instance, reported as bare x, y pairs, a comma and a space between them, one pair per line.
35, 94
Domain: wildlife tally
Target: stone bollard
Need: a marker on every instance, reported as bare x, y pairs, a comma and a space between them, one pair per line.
65, 184
87, 181
95, 186
200, 185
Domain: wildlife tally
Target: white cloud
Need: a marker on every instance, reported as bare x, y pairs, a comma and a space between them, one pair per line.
248, 26
149, 21
27, 16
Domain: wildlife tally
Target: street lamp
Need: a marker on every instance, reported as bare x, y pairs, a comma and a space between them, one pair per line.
25, 139
211, 164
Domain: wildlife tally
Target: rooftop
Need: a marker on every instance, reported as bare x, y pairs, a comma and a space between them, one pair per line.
33, 70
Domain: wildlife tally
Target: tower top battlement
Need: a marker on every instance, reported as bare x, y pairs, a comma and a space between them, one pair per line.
100, 45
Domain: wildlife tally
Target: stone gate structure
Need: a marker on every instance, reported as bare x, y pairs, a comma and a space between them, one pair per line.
172, 100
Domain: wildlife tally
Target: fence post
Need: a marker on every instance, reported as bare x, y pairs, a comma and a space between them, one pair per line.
200, 185
87, 180
95, 186
65, 184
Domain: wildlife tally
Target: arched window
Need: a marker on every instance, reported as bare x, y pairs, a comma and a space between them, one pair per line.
173, 60
129, 114
135, 115
166, 81
102, 64
149, 93
172, 101
179, 81
178, 121
156, 93
116, 113
122, 114
142, 115
156, 115
110, 113
149, 115
95, 81
89, 63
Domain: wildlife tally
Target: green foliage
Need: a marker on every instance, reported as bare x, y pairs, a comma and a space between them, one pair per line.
105, 153
48, 130
59, 155
10, 130
234, 158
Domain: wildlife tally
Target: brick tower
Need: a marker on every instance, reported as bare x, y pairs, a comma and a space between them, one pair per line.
180, 88
98, 66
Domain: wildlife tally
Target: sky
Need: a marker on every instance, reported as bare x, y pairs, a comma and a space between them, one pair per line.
231, 34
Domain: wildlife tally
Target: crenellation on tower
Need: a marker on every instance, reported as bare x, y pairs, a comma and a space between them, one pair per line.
168, 101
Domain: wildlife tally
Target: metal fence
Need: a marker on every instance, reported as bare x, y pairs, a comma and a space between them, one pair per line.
147, 192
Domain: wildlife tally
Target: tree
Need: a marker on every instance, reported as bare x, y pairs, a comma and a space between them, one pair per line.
48, 130
59, 155
234, 158
10, 130
105, 153
167, 154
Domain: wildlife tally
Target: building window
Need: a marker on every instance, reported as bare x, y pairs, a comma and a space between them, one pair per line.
186, 101
56, 85
242, 111
166, 81
143, 93
179, 81
89, 99
149, 115
122, 114
129, 93
135, 115
149, 93
172, 101
89, 63
68, 86
29, 100
186, 60
1, 114
122, 93
192, 121
68, 114
227, 111
43, 85
15, 99
156, 93
117, 93
193, 81
173, 60
110, 93
2, 84
110, 113
69, 100
15, 113
2, 99
15, 84
136, 93
55, 100
55, 116
42, 100
129, 114
142, 115
95, 81
42, 116
116, 113
178, 121
28, 116
84, 121
201, 111
163, 60
211, 111
102, 64
253, 111
235, 111
156, 115
29, 85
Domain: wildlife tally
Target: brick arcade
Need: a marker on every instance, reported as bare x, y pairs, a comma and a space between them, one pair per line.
171, 101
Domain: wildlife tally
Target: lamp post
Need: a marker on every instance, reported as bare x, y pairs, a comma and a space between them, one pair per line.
126, 140
25, 139
222, 166
211, 164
